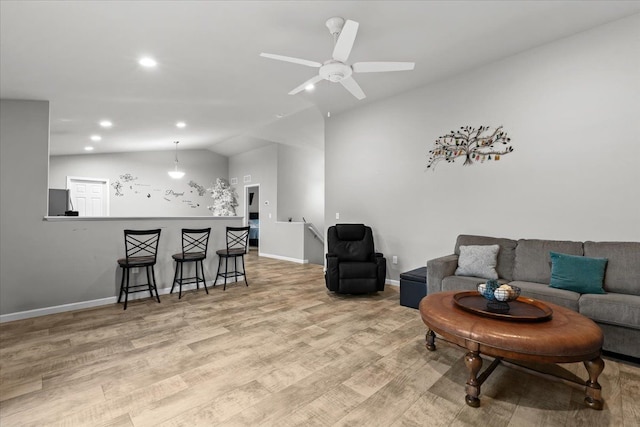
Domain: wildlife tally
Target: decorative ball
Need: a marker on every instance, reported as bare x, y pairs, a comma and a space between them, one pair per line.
487, 290
492, 284
482, 288
502, 294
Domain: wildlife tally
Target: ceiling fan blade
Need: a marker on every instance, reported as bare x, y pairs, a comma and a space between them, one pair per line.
311, 81
294, 60
378, 67
352, 86
345, 41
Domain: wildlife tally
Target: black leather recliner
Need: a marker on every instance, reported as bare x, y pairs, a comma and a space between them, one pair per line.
353, 265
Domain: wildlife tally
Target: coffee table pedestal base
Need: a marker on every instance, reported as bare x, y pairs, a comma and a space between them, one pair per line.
473, 361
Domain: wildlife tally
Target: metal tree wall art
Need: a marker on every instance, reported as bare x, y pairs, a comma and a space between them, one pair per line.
472, 144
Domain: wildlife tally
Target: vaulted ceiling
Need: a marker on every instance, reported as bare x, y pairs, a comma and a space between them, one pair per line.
83, 58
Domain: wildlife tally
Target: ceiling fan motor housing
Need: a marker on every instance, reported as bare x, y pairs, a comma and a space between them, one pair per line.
335, 71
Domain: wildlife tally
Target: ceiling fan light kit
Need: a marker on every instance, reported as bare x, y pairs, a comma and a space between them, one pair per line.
335, 25
336, 70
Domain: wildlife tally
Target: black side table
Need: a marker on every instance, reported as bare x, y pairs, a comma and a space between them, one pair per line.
413, 287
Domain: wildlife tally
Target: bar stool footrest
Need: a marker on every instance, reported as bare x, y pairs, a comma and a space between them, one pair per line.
138, 288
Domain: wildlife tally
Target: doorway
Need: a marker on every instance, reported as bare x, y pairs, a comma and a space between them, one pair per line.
252, 213
89, 196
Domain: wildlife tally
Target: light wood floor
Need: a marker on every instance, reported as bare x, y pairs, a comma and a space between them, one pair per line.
280, 352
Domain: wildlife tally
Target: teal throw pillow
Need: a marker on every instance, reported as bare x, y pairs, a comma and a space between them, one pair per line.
577, 273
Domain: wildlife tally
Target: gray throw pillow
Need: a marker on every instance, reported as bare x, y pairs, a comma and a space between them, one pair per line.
478, 261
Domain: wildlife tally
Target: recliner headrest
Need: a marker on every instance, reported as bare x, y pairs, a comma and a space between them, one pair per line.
350, 231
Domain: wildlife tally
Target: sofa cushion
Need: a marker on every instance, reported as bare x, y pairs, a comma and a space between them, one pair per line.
577, 273
506, 254
478, 261
543, 292
622, 274
614, 309
533, 263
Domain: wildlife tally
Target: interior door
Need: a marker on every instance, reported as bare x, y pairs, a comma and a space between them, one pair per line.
89, 196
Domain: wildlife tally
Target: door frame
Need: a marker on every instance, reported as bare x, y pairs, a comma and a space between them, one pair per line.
103, 181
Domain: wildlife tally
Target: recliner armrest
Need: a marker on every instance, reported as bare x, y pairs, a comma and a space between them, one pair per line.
381, 265
331, 276
438, 269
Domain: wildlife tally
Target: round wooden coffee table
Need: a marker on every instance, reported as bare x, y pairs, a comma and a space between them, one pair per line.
565, 338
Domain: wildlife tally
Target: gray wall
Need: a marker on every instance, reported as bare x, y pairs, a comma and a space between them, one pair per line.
291, 182
24, 151
571, 109
45, 264
301, 184
150, 168
301, 193
261, 164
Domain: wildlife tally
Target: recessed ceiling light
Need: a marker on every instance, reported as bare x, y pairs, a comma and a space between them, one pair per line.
106, 124
309, 87
96, 137
147, 62
181, 124
88, 148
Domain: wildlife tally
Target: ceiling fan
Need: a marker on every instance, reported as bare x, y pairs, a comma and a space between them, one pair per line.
335, 70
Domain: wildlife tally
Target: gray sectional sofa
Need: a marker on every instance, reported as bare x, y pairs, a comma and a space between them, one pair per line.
526, 263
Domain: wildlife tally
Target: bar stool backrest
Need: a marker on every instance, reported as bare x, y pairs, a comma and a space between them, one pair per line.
237, 238
195, 241
141, 244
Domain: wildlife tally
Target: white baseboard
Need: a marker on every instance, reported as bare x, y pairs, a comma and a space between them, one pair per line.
56, 309
284, 258
392, 282
96, 302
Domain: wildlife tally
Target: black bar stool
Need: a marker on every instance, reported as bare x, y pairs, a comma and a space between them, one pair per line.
141, 249
194, 249
237, 241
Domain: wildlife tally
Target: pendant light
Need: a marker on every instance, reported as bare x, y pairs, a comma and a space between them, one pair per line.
175, 173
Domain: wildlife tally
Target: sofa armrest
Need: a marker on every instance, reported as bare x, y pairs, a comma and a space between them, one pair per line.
438, 269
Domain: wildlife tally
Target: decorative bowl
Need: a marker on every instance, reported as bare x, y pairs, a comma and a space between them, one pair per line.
498, 296
503, 293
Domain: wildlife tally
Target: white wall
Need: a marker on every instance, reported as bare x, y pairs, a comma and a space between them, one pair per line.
45, 264
571, 109
152, 192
